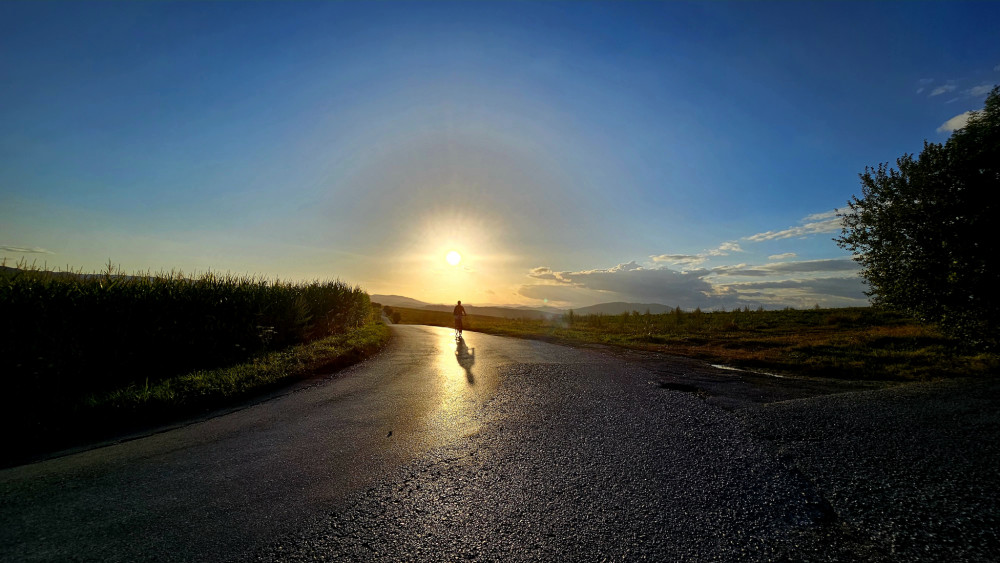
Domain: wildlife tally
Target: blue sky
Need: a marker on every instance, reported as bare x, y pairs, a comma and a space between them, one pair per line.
574, 153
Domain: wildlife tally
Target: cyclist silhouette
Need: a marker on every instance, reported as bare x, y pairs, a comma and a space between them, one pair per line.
459, 313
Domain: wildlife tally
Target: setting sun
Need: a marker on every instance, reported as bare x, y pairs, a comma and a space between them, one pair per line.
453, 258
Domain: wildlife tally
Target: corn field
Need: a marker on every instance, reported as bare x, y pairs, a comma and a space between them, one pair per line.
66, 333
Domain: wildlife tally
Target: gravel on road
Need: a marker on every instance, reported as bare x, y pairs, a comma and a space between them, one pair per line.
658, 459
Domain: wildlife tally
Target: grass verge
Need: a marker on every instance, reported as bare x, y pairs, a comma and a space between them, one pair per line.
101, 416
219, 386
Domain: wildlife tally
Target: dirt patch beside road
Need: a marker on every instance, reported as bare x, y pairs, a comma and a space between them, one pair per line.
733, 389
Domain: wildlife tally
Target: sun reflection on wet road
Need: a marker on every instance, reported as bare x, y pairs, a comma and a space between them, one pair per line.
460, 397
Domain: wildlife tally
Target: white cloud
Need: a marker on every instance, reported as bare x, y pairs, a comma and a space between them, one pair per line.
785, 268
820, 216
782, 256
696, 259
25, 250
680, 259
957, 122
543, 274
943, 89
629, 267
725, 248
980, 90
817, 223
826, 292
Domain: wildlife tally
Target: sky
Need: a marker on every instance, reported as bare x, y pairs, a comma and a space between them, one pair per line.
688, 154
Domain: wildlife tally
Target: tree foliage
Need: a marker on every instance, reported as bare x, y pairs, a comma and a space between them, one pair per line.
923, 232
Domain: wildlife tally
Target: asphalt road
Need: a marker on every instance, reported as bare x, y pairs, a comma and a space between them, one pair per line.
504, 449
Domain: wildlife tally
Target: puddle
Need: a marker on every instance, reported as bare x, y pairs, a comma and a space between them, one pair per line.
753, 371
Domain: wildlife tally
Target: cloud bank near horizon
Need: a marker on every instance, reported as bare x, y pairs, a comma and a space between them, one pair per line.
24, 249
831, 282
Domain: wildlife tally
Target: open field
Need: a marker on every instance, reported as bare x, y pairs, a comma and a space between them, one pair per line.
857, 343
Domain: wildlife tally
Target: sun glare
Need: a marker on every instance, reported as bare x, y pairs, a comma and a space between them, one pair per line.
453, 258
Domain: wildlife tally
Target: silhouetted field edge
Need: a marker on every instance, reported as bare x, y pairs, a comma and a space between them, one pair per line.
97, 354
846, 343
69, 333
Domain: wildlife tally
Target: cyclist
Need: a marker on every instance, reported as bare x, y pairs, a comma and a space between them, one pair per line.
459, 313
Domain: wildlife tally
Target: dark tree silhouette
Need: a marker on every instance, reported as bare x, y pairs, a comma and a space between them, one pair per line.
923, 233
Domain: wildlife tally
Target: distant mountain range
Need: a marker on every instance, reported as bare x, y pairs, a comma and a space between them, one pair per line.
515, 311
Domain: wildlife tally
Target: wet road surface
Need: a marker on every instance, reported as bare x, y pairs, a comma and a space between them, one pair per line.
498, 449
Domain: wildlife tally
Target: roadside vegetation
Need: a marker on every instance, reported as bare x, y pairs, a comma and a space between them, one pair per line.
215, 387
90, 353
855, 343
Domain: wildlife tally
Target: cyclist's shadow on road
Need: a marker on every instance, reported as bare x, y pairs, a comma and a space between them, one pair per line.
466, 357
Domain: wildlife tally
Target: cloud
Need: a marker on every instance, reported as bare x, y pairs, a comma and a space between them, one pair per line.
817, 223
820, 216
786, 268
829, 291
725, 248
997, 68
831, 283
782, 256
697, 259
957, 122
943, 89
680, 259
628, 282
628, 267
24, 250
980, 90
923, 83
543, 274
